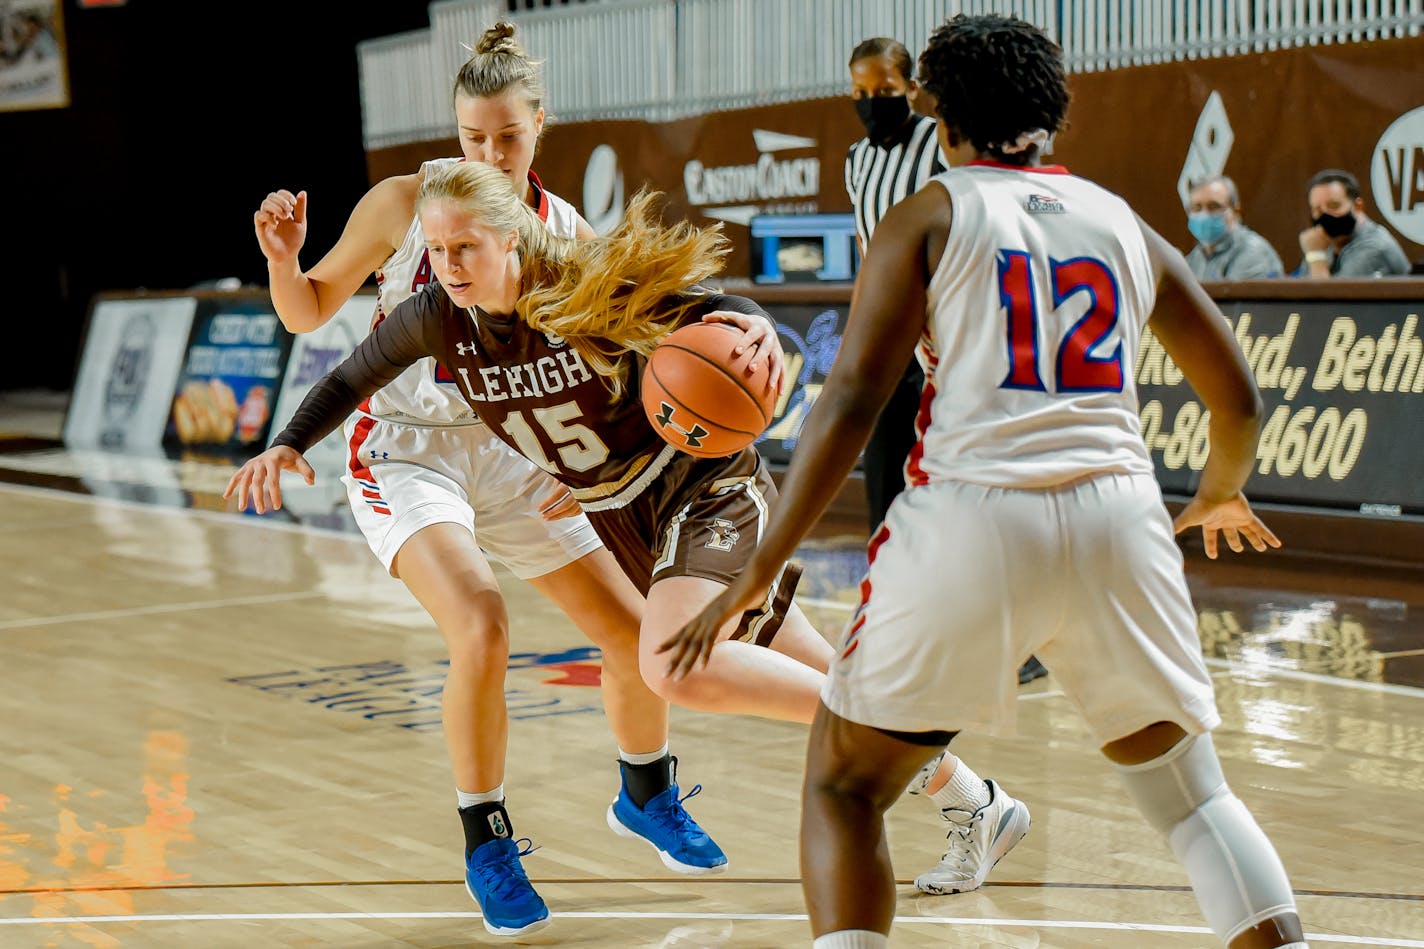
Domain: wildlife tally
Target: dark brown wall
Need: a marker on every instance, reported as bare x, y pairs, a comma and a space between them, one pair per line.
1292, 113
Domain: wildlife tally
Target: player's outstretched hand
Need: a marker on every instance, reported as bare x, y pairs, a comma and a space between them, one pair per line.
759, 341
281, 225
260, 478
1233, 517
693, 643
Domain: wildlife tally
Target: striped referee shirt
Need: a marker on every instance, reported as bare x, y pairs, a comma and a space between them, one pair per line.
879, 175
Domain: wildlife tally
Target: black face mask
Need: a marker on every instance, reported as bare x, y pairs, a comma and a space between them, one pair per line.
882, 116
1336, 225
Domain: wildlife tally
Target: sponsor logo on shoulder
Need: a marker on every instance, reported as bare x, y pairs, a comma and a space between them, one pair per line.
1043, 204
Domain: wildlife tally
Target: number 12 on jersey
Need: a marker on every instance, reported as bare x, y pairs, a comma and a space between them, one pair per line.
1076, 369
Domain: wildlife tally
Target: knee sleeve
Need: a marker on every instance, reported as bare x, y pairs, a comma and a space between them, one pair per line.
1236, 875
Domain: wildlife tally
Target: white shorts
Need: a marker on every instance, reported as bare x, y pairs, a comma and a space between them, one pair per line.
968, 581
402, 478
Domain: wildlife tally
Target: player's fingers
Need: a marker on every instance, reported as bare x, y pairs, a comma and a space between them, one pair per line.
277, 207
237, 486
299, 210
676, 647
777, 378
1267, 534
1209, 541
260, 495
304, 468
1233, 539
751, 341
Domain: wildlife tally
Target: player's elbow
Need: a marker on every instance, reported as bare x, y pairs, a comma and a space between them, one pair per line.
301, 321
1242, 408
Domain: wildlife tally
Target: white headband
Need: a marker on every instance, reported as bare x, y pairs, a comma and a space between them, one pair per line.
1025, 141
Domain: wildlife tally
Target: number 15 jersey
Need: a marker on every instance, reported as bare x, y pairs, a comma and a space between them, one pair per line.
1033, 320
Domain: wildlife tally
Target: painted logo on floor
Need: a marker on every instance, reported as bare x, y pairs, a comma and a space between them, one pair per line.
407, 695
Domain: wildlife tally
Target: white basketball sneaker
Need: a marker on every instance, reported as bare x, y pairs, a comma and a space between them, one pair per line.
977, 841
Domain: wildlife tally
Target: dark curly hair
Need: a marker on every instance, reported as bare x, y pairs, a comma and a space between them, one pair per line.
993, 78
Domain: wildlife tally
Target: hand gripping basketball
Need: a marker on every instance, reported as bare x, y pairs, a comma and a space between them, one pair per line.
700, 394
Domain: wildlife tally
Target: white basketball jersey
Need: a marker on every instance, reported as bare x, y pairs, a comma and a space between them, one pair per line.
1033, 321
425, 394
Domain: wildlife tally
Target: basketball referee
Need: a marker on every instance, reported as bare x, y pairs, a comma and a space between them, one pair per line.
898, 154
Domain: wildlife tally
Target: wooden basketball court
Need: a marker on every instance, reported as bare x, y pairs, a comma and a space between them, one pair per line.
223, 731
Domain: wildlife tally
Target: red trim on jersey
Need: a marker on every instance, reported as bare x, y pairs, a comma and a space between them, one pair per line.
881, 536
914, 471
542, 204
358, 438
1037, 169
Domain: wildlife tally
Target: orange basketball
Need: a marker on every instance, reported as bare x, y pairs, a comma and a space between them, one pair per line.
699, 396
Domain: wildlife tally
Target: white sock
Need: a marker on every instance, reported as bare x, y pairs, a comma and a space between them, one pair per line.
647, 758
471, 798
965, 790
852, 939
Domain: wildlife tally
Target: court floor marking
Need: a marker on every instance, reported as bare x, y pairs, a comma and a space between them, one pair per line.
1097, 925
163, 608
230, 518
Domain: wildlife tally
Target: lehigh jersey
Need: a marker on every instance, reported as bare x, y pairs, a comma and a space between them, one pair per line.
533, 389
1033, 321
425, 394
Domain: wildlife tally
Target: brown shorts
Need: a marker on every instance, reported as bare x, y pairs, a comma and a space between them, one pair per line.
701, 518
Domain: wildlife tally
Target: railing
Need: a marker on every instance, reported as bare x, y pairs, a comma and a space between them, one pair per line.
660, 59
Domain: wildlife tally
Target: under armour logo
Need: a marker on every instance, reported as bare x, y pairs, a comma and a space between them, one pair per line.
691, 437
724, 534
382, 455
465, 349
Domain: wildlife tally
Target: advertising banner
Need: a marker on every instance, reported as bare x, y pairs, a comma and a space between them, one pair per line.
1343, 383
811, 338
236, 358
133, 351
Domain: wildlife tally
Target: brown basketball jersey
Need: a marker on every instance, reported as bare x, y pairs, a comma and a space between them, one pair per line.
533, 389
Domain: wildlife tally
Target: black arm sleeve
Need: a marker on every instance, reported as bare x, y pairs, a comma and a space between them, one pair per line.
710, 301
411, 331
734, 303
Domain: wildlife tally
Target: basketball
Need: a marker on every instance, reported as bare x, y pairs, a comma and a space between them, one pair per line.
698, 395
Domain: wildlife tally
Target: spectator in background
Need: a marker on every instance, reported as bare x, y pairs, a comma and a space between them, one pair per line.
1226, 248
1342, 240
900, 152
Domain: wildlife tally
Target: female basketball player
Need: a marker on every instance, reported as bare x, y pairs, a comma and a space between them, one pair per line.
545, 335
430, 486
1033, 522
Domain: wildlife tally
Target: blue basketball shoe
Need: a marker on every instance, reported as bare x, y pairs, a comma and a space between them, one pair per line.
495, 878
663, 822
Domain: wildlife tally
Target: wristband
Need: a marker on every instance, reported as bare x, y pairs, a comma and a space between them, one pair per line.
1316, 257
